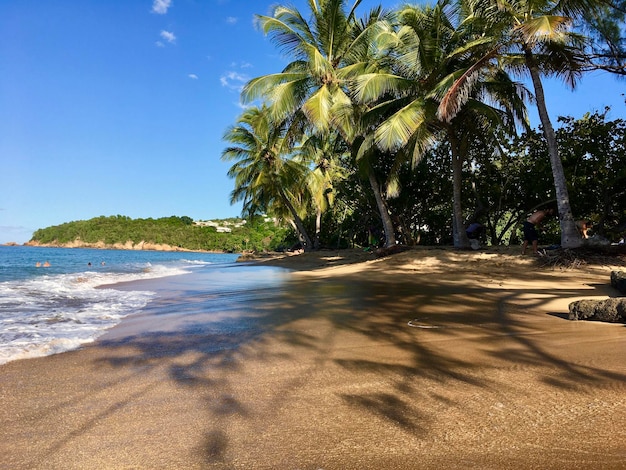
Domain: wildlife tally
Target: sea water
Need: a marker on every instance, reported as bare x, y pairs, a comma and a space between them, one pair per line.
49, 309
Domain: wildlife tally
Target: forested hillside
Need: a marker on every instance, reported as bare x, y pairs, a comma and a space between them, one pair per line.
177, 232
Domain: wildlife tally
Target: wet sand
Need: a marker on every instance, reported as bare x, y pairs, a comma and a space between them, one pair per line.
426, 359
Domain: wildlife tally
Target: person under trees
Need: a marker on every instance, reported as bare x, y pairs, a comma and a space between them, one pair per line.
530, 229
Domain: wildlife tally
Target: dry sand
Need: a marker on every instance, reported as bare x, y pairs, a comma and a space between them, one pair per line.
430, 358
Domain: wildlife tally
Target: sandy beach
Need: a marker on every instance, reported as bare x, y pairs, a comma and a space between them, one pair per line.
427, 359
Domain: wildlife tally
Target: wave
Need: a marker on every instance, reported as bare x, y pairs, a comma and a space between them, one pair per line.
60, 312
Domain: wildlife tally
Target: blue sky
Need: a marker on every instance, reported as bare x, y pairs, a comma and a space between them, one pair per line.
119, 106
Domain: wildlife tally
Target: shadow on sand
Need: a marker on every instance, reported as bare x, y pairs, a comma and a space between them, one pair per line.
389, 349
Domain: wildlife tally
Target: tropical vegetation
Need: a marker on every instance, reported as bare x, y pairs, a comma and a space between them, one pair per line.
235, 235
406, 125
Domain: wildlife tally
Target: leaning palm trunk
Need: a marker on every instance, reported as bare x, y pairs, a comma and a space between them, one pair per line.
390, 236
569, 233
303, 235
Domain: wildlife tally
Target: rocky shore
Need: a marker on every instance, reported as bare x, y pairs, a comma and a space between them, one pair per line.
129, 245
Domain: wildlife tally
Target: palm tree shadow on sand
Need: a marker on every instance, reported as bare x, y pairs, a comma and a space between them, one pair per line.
360, 329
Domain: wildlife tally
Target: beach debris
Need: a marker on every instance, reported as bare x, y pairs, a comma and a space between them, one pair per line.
609, 310
420, 323
577, 258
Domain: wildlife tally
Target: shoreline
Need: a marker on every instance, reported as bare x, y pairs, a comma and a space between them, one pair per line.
426, 359
129, 245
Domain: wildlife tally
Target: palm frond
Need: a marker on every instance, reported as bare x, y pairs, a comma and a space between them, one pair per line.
287, 97
396, 131
263, 86
460, 91
317, 108
372, 86
543, 28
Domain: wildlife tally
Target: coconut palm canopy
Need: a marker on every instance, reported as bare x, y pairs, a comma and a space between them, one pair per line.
366, 99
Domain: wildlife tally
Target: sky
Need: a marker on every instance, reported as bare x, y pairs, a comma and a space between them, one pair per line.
119, 106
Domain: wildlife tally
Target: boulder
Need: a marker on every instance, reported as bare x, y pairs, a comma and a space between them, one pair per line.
618, 280
610, 310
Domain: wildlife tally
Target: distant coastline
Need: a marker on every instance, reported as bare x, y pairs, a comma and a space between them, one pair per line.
166, 234
129, 245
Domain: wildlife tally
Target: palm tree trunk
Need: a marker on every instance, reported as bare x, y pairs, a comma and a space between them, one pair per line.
302, 233
390, 235
318, 229
459, 235
570, 238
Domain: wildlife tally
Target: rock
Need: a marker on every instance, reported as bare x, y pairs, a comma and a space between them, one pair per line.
474, 244
618, 280
609, 310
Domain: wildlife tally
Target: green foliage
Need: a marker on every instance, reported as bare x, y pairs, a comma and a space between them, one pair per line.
594, 160
422, 100
181, 232
500, 188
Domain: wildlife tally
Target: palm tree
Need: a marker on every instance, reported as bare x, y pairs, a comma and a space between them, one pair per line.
327, 52
536, 35
432, 55
324, 153
265, 180
330, 50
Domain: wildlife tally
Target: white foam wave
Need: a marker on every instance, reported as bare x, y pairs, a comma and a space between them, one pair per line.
196, 262
56, 313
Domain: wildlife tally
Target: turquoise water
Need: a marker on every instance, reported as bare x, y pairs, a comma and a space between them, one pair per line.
45, 310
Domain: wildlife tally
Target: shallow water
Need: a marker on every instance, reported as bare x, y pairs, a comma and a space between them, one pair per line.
46, 310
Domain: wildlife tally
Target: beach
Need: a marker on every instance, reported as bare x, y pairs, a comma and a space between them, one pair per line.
427, 359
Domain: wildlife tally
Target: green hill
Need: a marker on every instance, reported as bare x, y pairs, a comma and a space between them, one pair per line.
224, 235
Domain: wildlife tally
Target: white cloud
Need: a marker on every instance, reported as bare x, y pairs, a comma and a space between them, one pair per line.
241, 65
232, 20
193, 76
160, 6
159, 44
233, 80
168, 36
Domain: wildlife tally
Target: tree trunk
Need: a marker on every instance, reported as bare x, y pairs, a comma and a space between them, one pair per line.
318, 229
570, 238
458, 223
390, 235
303, 236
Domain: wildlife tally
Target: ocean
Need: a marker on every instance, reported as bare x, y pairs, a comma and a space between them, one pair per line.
50, 309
